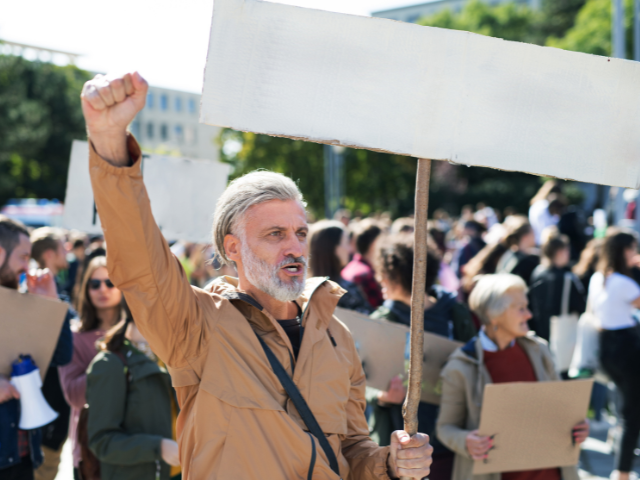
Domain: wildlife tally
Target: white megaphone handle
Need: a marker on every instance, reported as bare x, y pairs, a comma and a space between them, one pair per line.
35, 412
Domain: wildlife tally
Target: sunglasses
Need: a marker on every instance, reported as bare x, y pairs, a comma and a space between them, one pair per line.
95, 284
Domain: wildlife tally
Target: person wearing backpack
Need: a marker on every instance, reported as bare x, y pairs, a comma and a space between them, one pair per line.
100, 308
132, 409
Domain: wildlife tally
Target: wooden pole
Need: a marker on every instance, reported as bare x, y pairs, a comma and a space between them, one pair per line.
410, 407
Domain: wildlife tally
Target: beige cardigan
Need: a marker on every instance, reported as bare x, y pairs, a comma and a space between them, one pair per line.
463, 380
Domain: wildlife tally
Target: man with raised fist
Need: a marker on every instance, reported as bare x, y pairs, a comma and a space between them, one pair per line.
268, 380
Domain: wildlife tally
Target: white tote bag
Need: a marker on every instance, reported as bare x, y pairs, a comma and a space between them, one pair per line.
564, 330
587, 352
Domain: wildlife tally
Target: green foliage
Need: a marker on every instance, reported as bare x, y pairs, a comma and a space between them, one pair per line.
558, 16
509, 21
592, 30
41, 115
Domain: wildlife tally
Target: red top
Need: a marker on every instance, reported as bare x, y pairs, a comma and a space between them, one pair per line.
513, 365
361, 273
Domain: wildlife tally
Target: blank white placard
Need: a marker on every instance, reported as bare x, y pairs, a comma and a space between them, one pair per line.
421, 91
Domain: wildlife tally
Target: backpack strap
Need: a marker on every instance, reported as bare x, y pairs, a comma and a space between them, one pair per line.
302, 407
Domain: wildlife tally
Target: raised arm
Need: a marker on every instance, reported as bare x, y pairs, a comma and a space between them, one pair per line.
165, 307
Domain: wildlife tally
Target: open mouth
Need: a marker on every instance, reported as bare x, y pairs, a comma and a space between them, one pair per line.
293, 269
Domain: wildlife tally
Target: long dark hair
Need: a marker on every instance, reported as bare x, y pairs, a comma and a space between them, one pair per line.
612, 257
325, 235
115, 336
88, 314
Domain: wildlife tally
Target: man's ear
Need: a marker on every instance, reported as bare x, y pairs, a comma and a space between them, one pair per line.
232, 247
3, 256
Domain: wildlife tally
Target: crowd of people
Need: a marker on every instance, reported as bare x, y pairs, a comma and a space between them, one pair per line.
225, 361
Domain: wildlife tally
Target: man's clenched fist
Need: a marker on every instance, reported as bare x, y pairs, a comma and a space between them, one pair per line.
409, 457
109, 105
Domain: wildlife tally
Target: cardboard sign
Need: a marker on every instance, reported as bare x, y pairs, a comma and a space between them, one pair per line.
30, 325
422, 91
383, 345
532, 424
183, 194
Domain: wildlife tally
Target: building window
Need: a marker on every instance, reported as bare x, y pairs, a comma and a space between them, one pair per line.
192, 105
179, 133
150, 99
178, 104
164, 132
135, 128
150, 130
164, 102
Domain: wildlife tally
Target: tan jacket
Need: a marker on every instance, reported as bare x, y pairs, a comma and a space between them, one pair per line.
463, 380
236, 421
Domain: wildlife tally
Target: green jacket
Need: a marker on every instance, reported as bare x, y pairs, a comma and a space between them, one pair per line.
128, 418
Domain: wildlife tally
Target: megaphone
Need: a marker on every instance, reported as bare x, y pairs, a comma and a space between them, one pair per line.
35, 412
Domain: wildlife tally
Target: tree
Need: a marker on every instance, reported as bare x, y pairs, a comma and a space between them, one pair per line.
41, 115
591, 32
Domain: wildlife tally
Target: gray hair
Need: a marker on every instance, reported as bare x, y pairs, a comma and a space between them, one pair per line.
243, 193
488, 298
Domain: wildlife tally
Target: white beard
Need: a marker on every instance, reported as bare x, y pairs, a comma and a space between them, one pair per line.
265, 277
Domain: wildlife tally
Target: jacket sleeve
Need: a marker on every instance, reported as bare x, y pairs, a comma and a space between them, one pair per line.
453, 412
367, 460
106, 395
64, 349
73, 380
165, 307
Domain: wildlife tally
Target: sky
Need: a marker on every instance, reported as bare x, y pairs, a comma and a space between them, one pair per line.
165, 40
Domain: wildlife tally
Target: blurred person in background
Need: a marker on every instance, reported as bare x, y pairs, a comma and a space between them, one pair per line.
504, 351
443, 316
548, 283
539, 215
520, 257
402, 225
100, 309
132, 408
328, 255
77, 247
20, 450
343, 216
472, 244
47, 249
588, 263
613, 296
360, 270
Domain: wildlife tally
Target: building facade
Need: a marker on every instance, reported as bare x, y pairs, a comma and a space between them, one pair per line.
413, 13
169, 124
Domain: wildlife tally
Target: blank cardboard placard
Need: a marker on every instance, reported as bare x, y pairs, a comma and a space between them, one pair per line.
532, 424
381, 346
30, 325
183, 194
422, 91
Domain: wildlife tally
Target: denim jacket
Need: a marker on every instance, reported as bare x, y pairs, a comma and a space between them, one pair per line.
10, 411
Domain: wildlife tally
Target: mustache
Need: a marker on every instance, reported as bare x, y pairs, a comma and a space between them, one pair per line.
289, 260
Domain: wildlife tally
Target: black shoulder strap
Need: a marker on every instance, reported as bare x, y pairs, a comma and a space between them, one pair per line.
301, 405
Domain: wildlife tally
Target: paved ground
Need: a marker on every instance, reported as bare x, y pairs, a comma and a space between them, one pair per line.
596, 459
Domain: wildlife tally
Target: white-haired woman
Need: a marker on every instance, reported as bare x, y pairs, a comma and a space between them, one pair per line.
504, 351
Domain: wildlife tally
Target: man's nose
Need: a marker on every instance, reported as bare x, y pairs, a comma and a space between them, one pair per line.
294, 246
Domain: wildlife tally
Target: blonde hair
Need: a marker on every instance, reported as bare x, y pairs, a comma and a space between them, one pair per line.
489, 298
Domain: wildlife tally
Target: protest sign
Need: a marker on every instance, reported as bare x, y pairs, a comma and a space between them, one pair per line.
382, 347
531, 424
427, 92
30, 325
183, 194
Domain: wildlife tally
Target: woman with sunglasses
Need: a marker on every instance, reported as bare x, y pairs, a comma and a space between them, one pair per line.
100, 309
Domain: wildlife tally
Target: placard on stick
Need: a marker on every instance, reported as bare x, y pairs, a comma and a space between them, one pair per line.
532, 424
30, 325
427, 92
183, 193
381, 346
